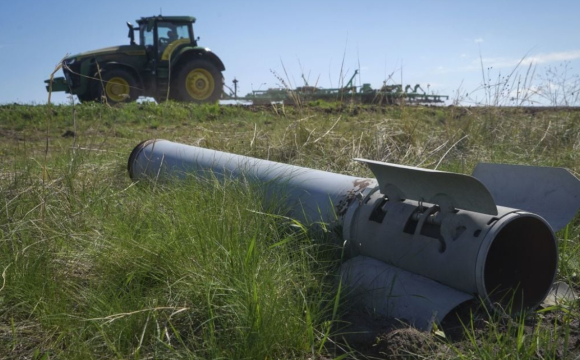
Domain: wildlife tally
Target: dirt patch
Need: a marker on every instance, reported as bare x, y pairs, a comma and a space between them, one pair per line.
376, 336
407, 343
466, 329
68, 133
11, 134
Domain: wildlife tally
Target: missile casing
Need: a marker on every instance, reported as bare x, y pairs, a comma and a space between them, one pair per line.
439, 238
311, 195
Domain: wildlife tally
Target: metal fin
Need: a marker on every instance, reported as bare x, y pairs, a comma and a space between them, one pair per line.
552, 193
413, 183
396, 293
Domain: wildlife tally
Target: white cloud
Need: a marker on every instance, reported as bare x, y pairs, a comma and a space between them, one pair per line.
521, 92
501, 62
544, 58
553, 57
478, 40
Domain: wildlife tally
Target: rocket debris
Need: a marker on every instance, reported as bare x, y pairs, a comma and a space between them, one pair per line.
424, 241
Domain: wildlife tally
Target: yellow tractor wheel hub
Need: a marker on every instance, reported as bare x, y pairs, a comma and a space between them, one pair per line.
117, 89
199, 84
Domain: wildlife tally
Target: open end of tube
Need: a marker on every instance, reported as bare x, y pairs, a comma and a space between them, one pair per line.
521, 264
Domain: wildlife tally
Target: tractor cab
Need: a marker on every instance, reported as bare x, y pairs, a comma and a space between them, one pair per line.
161, 35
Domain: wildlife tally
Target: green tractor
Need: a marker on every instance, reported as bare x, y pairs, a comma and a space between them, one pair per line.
167, 63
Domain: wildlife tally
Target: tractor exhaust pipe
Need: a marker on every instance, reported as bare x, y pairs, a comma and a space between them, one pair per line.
426, 240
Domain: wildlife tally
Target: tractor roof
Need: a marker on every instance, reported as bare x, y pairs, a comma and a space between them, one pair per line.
167, 18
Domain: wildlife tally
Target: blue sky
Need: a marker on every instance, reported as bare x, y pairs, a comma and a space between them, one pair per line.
436, 42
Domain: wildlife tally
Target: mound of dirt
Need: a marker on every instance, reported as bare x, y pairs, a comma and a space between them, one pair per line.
380, 337
406, 343
376, 336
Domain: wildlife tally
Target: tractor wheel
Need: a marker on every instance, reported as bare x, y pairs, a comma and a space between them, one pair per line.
118, 86
197, 81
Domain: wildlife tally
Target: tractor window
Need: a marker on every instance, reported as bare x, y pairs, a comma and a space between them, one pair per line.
169, 33
146, 36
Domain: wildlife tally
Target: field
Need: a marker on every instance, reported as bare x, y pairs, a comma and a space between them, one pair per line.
94, 266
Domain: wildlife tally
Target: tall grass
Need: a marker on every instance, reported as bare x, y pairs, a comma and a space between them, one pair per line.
96, 267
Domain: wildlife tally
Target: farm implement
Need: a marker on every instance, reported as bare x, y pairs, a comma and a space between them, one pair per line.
386, 95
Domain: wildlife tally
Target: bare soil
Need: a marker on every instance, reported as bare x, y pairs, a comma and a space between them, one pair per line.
378, 337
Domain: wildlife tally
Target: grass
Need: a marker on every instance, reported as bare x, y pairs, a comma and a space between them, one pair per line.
94, 266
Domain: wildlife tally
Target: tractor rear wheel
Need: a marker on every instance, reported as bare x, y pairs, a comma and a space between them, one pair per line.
197, 81
119, 86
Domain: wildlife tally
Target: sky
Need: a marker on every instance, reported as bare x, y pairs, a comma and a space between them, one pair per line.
440, 43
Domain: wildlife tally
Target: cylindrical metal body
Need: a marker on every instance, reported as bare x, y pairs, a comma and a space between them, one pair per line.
508, 258
311, 195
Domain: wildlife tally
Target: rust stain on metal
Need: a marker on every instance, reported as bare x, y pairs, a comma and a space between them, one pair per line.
361, 183
358, 186
343, 204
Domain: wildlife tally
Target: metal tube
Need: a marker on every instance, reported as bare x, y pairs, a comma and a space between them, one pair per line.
312, 195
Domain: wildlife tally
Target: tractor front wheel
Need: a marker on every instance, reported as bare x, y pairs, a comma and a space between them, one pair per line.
119, 86
197, 81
